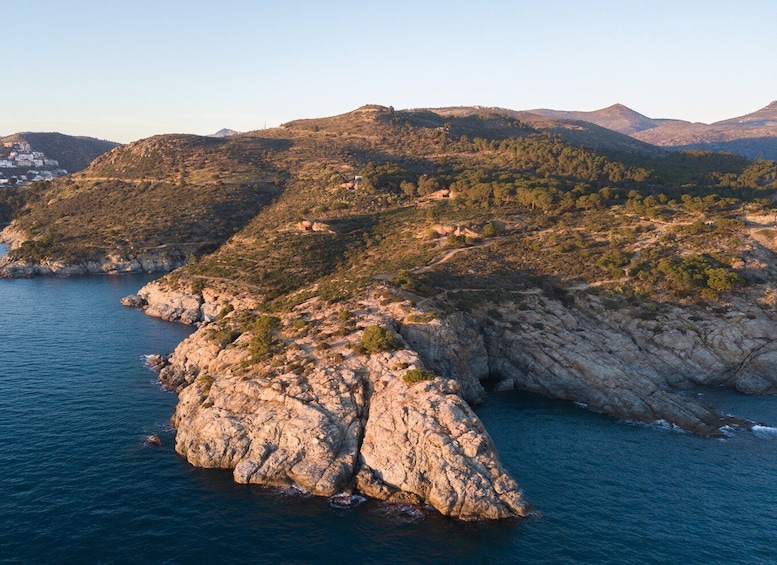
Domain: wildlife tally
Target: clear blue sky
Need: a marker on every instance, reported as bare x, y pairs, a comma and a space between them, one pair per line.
126, 69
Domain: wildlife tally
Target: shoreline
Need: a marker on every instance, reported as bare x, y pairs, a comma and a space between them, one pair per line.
460, 350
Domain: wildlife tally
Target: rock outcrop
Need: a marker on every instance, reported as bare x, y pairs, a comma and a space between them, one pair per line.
450, 347
318, 416
322, 418
424, 445
629, 360
182, 304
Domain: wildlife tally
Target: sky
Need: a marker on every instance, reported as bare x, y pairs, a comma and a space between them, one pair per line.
128, 69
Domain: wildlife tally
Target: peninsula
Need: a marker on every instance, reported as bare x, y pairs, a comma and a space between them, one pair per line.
358, 279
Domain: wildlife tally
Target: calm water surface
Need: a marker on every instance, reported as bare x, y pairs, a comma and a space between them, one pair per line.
80, 486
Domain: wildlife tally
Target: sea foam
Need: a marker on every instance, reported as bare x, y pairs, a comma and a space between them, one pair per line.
765, 431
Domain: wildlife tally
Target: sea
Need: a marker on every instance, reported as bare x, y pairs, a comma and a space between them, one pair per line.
80, 483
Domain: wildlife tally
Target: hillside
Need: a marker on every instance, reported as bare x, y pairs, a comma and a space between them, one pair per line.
467, 212
570, 126
72, 152
358, 278
616, 117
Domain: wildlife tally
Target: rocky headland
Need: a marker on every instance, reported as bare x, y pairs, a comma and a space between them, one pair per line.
321, 415
356, 280
318, 415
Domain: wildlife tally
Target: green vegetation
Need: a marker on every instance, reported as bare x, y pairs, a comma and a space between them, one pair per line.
226, 310
530, 209
263, 343
223, 336
414, 376
344, 315
377, 339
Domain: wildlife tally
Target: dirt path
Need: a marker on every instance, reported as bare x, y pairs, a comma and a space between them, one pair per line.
448, 254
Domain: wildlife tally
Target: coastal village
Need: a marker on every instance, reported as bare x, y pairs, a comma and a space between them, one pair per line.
21, 165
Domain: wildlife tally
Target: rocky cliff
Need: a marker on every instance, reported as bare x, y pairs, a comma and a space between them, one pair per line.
317, 415
633, 360
142, 262
163, 259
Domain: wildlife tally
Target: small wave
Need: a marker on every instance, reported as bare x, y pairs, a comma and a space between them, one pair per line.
401, 513
291, 491
345, 500
659, 425
764, 431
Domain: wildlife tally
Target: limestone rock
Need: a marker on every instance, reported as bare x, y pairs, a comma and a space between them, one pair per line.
299, 419
174, 305
629, 365
451, 347
424, 443
133, 301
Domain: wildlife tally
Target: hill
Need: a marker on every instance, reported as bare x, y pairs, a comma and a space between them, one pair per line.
476, 217
224, 132
571, 128
72, 152
616, 117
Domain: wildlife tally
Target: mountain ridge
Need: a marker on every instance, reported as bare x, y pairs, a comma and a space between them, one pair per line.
752, 135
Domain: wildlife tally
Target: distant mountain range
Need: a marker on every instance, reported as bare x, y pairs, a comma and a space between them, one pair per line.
752, 135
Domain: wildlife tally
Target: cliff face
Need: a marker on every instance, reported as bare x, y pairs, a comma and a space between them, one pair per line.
318, 416
630, 363
322, 418
147, 261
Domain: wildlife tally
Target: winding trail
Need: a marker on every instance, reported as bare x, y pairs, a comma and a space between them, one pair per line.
448, 254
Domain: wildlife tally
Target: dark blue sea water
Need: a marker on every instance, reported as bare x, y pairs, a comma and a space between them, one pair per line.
80, 486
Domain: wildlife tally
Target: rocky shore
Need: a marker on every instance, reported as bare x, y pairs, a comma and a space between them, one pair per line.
163, 259
322, 417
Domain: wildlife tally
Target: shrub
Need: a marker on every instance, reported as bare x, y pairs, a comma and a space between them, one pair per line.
417, 375
263, 344
407, 281
722, 280
422, 318
456, 241
489, 230
377, 339
344, 315
225, 310
223, 337
198, 285
204, 381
